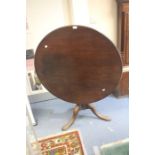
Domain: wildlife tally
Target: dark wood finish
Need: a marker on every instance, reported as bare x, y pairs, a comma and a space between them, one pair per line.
78, 64
123, 87
123, 45
123, 31
122, 1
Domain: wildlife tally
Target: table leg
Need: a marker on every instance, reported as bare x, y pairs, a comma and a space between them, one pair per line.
75, 112
103, 117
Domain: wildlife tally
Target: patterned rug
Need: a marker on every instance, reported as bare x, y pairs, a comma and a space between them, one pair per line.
67, 143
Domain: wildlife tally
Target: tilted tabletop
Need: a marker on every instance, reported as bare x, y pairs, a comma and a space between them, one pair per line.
78, 64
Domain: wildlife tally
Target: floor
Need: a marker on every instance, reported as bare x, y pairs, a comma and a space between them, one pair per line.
51, 115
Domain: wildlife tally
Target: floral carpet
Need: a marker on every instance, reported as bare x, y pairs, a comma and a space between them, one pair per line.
66, 143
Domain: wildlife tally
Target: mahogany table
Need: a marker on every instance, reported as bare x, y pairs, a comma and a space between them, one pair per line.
78, 65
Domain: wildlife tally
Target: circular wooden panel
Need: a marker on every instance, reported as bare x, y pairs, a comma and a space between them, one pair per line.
78, 64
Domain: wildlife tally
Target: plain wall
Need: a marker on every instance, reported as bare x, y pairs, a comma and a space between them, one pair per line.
43, 16
103, 17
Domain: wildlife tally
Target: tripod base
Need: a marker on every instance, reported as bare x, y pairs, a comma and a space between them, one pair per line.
76, 110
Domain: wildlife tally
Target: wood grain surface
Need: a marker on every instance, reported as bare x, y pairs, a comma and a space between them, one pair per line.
78, 64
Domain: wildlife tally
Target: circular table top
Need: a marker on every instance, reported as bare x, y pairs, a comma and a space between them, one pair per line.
78, 64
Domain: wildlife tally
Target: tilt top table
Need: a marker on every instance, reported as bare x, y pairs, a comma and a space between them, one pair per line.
79, 65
